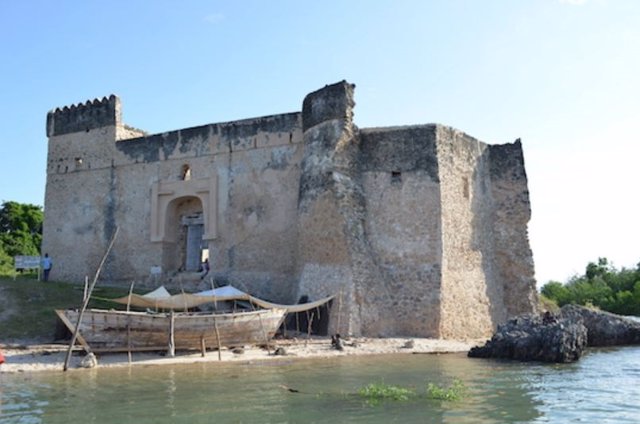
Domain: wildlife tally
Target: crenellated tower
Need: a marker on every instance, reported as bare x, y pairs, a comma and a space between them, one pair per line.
84, 116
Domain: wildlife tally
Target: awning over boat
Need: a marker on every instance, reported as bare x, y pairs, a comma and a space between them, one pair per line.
162, 299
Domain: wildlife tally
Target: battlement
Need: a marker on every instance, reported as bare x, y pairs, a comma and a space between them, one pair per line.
84, 116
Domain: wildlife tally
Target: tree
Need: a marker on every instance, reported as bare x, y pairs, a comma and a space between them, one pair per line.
556, 291
603, 286
20, 232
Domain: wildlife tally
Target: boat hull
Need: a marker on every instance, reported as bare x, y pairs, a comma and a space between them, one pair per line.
111, 330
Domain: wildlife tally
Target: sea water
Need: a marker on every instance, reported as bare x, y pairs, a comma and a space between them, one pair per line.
603, 387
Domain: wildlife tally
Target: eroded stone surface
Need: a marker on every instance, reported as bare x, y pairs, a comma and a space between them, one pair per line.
418, 230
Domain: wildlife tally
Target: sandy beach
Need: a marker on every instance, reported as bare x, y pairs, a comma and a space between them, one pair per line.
50, 357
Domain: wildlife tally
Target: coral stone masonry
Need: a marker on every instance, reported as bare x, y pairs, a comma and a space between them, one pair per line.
418, 230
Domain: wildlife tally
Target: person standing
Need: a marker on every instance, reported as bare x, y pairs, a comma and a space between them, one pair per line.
205, 268
47, 264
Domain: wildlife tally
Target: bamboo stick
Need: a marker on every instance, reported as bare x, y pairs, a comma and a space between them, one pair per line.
86, 301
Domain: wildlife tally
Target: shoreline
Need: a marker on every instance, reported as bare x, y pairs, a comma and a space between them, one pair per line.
30, 357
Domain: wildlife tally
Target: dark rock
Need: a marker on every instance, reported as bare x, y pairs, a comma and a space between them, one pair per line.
558, 338
409, 344
604, 328
527, 338
336, 342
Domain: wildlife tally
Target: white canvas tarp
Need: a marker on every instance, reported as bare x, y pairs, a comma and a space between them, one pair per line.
160, 298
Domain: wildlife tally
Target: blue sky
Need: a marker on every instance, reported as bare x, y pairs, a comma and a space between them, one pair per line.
562, 75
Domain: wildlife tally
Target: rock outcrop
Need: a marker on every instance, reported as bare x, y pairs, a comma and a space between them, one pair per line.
534, 338
604, 328
558, 338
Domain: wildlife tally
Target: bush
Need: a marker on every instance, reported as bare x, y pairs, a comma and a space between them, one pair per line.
601, 286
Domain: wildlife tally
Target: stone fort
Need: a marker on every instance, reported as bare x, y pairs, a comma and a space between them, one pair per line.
418, 230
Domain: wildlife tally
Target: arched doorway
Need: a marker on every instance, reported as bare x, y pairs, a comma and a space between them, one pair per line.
184, 227
184, 219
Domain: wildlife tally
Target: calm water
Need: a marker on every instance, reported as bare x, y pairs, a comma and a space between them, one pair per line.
604, 387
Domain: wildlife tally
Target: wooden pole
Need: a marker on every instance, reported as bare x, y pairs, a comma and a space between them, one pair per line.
129, 323
264, 332
184, 299
172, 342
86, 287
86, 301
215, 327
309, 322
337, 330
203, 347
215, 323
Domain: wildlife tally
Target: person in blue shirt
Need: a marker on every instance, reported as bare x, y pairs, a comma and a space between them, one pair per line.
47, 264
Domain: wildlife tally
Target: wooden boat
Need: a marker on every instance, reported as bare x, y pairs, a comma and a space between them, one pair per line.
111, 330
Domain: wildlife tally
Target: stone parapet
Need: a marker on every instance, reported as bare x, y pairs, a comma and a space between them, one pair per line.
84, 116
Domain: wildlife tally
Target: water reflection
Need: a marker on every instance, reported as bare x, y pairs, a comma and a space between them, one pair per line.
326, 391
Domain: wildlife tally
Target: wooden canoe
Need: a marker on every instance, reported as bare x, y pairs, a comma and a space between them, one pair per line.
112, 330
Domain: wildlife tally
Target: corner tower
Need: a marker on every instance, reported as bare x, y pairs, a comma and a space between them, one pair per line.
80, 210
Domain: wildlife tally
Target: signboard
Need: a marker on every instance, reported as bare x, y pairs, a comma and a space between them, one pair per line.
27, 262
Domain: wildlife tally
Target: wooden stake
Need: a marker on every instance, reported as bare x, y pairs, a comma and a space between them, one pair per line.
215, 326
129, 323
203, 348
309, 321
86, 301
337, 330
172, 327
184, 299
86, 287
215, 323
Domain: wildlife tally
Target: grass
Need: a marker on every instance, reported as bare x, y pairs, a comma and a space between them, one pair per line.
27, 306
546, 304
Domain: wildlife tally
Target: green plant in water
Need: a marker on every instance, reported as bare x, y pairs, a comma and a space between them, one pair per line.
455, 392
375, 392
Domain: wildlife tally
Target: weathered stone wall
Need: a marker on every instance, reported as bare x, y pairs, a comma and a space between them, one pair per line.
511, 213
418, 230
323, 228
79, 201
471, 300
403, 209
96, 183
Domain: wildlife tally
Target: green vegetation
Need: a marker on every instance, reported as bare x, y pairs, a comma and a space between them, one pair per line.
27, 306
602, 286
20, 233
454, 392
375, 393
